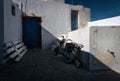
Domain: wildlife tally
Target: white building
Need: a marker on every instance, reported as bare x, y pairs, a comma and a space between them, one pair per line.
56, 17
100, 39
113, 21
10, 23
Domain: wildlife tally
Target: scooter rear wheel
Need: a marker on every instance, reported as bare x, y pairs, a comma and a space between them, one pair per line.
69, 58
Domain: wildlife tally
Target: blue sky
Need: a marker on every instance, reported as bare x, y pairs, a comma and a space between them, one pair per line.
100, 9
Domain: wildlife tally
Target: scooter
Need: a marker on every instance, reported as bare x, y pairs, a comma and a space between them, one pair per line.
69, 50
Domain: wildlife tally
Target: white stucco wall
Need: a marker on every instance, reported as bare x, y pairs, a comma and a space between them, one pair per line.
114, 21
81, 36
97, 40
56, 17
12, 24
103, 41
19, 3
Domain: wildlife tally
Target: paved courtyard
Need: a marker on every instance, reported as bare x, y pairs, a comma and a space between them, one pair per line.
41, 65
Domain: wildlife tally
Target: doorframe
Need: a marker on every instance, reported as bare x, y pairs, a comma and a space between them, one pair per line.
40, 21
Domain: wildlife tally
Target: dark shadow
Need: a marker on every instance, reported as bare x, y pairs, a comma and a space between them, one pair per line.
47, 38
93, 65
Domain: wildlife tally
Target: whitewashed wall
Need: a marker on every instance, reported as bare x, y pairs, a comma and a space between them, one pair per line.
12, 24
56, 17
97, 40
114, 21
81, 36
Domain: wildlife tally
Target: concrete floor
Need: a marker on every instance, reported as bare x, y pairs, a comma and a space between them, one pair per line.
41, 65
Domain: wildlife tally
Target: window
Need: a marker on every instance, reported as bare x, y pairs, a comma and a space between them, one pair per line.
74, 20
13, 10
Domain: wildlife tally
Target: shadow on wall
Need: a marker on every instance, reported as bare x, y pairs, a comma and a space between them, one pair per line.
47, 38
96, 67
34, 34
92, 63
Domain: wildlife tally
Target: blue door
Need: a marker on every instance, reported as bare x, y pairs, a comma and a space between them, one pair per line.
32, 32
74, 20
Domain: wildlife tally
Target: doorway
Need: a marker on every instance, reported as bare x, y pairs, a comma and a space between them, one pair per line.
74, 20
32, 32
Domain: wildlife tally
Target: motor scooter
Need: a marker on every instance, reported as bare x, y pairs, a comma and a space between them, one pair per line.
70, 50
